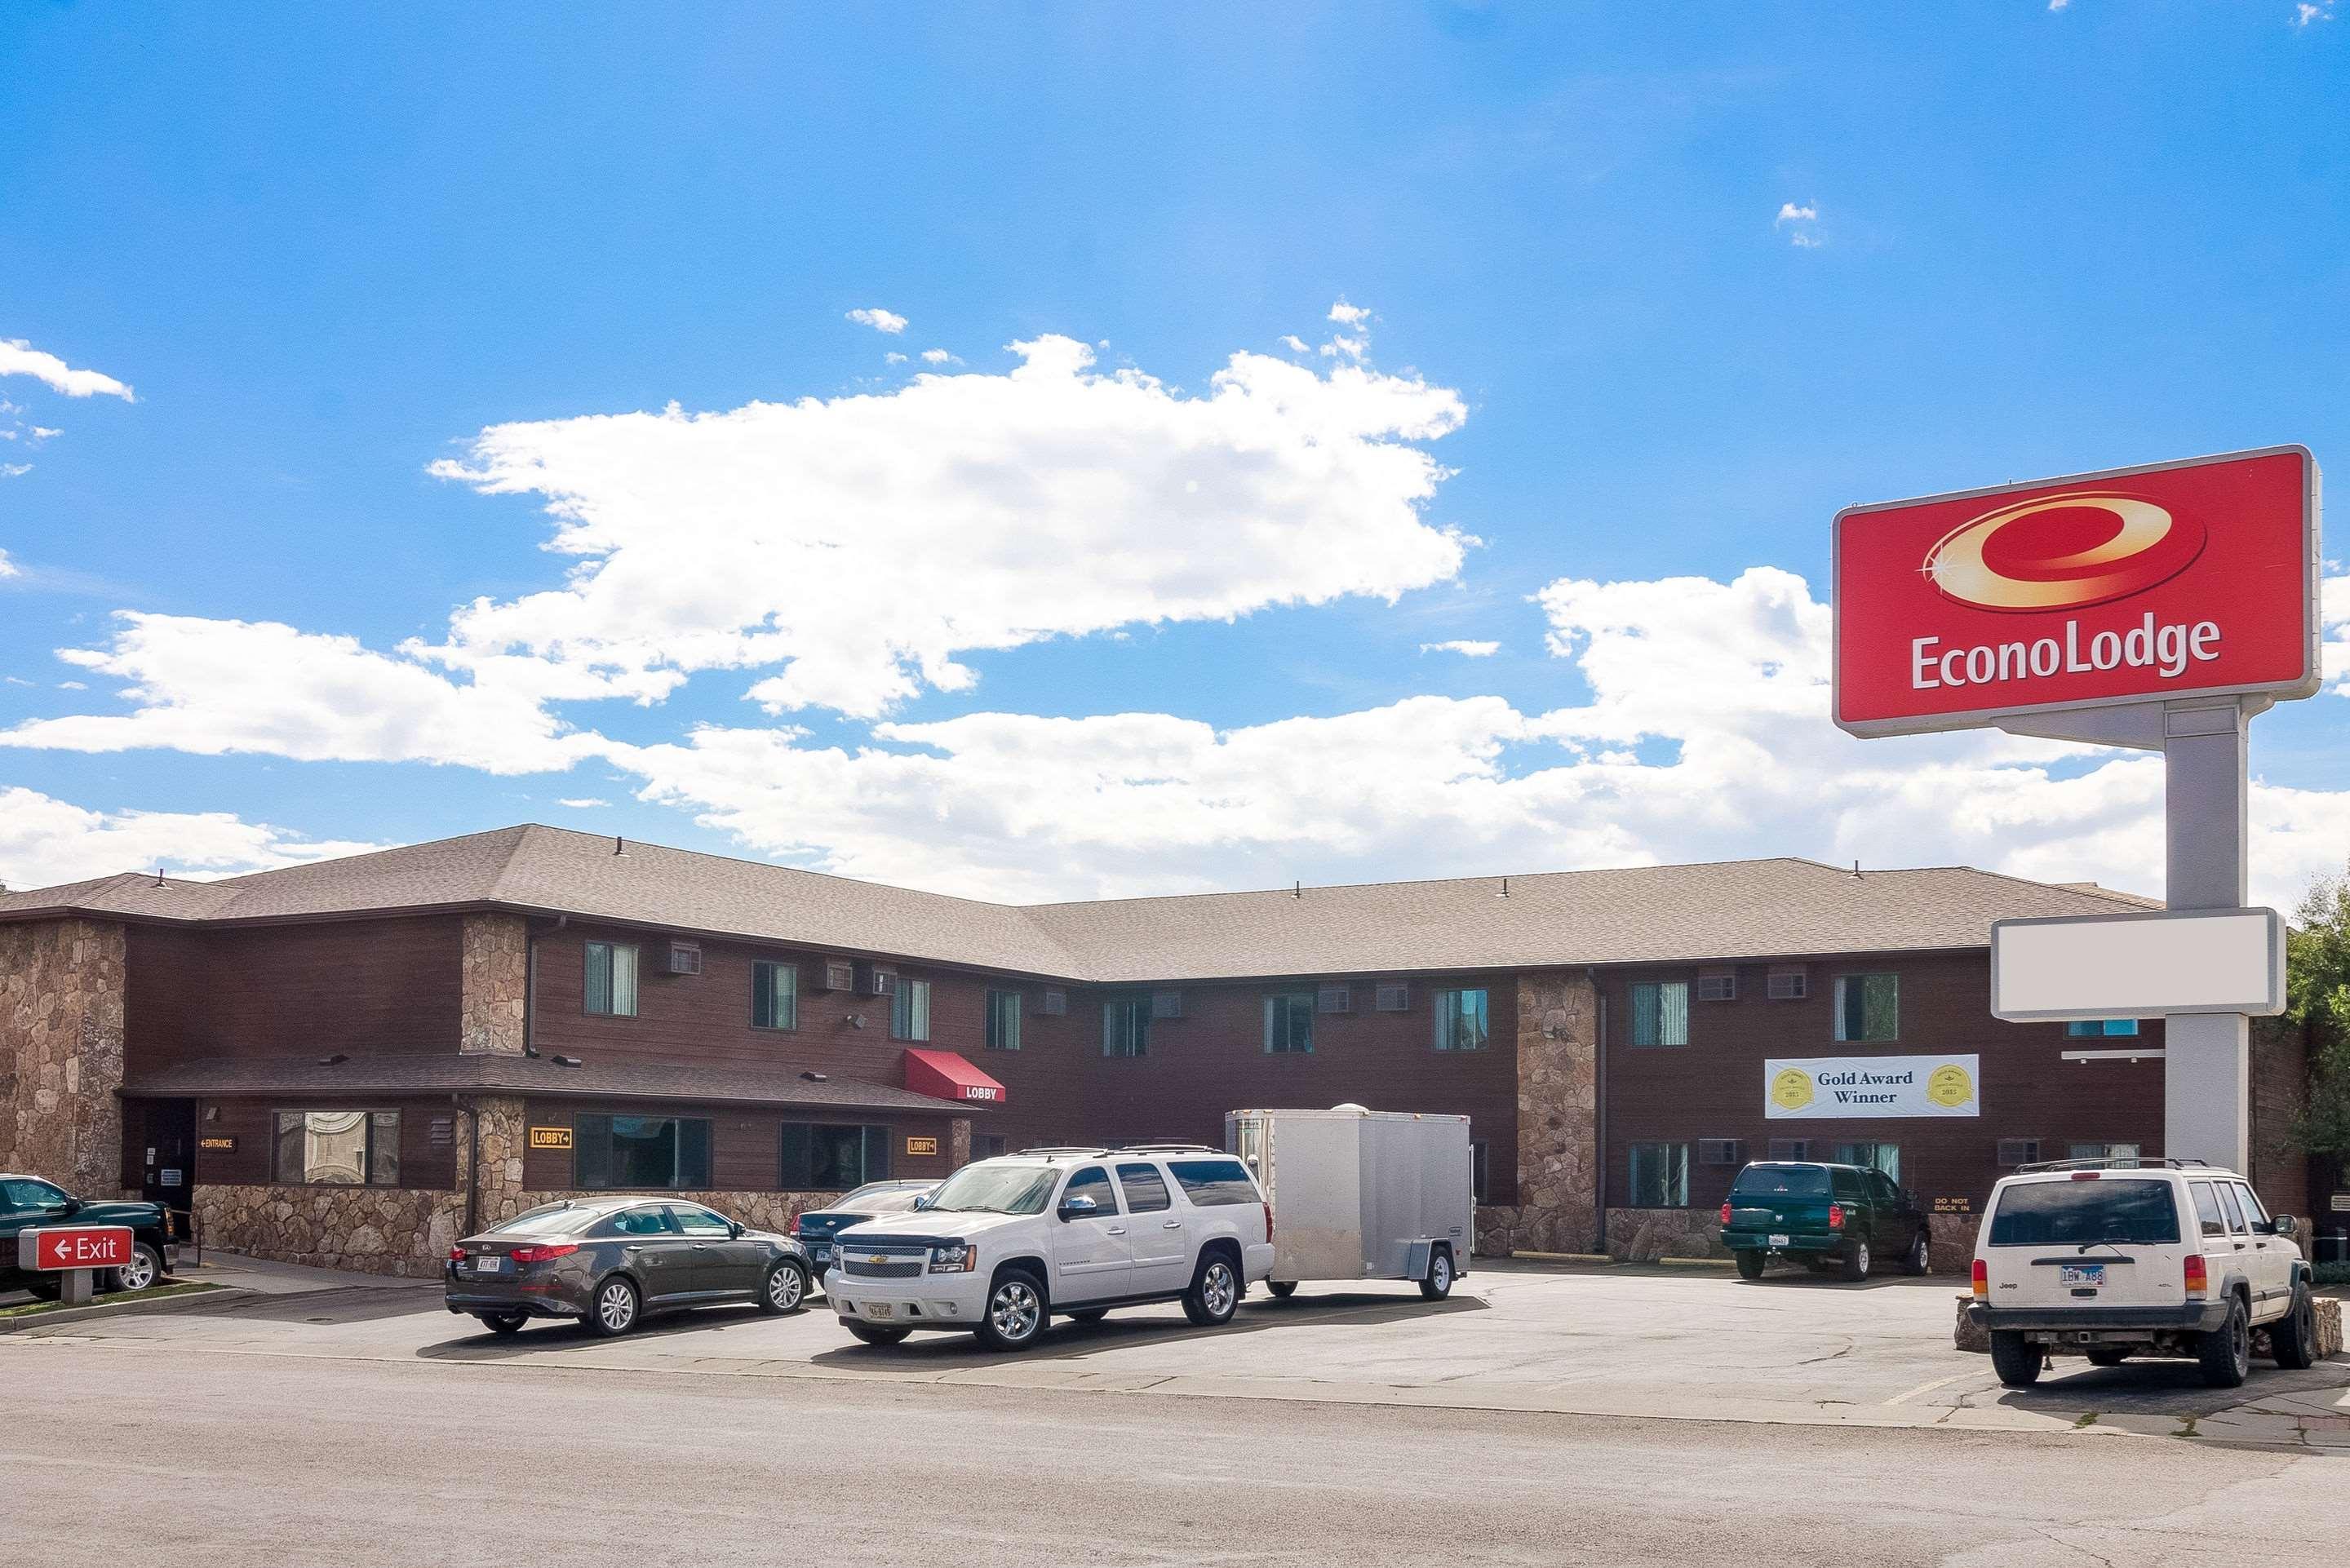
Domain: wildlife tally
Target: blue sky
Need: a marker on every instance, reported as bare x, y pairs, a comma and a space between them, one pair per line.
329, 252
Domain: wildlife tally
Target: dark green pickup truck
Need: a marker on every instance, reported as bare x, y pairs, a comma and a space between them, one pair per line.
29, 1202
1821, 1215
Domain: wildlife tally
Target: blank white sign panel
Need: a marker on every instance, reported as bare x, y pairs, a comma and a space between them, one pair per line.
2137, 966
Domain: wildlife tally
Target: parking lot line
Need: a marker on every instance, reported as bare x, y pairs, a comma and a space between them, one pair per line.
1928, 1387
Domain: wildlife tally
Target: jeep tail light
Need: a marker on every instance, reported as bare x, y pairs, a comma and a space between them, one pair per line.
1982, 1280
2197, 1280
545, 1254
1836, 1216
1725, 1210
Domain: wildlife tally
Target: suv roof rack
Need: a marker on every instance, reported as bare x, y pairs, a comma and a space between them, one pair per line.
1163, 1148
1050, 1149
2113, 1162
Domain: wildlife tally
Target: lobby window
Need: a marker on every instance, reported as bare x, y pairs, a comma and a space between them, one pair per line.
612, 979
1660, 1013
630, 1153
1884, 1157
338, 1148
774, 995
1289, 1022
1659, 1176
1867, 1008
909, 1009
1126, 1025
1461, 1020
2100, 1028
818, 1157
1477, 1171
1003, 1021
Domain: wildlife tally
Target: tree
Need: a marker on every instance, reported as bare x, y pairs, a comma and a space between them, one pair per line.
2317, 994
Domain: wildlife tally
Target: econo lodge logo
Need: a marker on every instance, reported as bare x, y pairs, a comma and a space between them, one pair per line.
2063, 551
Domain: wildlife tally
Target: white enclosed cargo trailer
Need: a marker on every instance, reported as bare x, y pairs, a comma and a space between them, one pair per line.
1361, 1195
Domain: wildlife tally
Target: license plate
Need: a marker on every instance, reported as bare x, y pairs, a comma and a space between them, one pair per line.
489, 1265
880, 1309
2081, 1275
822, 1254
1778, 1241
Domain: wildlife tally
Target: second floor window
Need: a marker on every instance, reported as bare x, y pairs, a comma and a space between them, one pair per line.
612, 979
2099, 1028
1660, 1013
909, 1009
1126, 1025
1289, 1022
1868, 1007
1003, 1021
774, 995
1461, 1020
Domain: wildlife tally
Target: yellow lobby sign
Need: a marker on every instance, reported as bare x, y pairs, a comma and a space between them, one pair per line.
550, 1137
922, 1146
1810, 1088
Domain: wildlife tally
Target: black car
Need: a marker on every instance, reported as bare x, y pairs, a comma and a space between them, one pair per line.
606, 1263
27, 1203
1845, 1216
817, 1227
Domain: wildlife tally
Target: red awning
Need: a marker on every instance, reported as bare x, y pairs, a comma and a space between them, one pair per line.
950, 1077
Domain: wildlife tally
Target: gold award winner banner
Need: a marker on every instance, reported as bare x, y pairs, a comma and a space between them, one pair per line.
1826, 1087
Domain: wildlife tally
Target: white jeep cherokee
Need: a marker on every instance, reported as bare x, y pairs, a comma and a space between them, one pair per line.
1005, 1243
2110, 1259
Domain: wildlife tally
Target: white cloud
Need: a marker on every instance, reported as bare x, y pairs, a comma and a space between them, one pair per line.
862, 543
2305, 14
879, 319
1294, 343
940, 356
583, 803
1346, 315
45, 841
2058, 5
1791, 214
1464, 647
9, 568
11, 469
19, 358
893, 357
2335, 614
1803, 242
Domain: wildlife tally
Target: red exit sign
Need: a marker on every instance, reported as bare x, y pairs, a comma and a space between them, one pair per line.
2133, 585
74, 1246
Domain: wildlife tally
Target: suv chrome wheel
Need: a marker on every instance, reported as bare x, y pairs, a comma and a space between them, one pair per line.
1215, 1293
1015, 1313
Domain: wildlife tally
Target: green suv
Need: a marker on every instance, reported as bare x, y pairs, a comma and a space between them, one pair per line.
1843, 1216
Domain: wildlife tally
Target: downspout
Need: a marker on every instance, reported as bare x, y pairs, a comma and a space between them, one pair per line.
1599, 1104
472, 1162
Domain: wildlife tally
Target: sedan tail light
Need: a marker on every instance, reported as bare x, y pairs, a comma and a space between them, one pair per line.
544, 1254
456, 1254
1836, 1216
2198, 1281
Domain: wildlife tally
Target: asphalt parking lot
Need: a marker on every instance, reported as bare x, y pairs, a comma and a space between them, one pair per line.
1690, 1344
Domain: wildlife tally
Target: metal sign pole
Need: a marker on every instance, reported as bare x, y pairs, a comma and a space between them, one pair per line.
2207, 1080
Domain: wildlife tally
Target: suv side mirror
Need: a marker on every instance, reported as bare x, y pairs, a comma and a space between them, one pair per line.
1078, 1208
2286, 1225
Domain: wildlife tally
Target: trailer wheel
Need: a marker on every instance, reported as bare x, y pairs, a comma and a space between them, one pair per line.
1438, 1283
1282, 1289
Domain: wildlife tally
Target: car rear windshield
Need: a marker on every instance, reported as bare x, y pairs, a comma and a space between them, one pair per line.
554, 1222
1781, 1181
1211, 1182
2057, 1213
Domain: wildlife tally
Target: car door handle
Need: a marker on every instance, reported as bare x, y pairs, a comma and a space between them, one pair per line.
1118, 1230
1173, 1225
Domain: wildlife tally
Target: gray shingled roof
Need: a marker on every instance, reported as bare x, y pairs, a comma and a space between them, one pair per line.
1740, 908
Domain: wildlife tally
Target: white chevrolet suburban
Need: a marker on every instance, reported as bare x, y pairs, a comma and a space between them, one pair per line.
1005, 1244
2110, 1259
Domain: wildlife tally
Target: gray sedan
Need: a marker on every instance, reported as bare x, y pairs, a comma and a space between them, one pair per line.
607, 1261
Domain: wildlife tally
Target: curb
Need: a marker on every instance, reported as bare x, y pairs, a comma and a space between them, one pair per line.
124, 1309
1564, 1257
1700, 1262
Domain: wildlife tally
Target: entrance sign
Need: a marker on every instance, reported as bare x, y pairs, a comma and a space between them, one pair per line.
2132, 966
74, 1246
2129, 586
1805, 1088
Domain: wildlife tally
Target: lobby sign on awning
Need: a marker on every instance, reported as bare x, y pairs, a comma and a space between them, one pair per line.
945, 1075
1806, 1088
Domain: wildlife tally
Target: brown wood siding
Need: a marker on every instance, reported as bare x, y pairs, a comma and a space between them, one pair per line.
378, 987
253, 1123
745, 1147
1712, 1087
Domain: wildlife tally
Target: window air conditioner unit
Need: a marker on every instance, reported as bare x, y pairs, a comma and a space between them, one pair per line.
878, 981
2018, 1151
1394, 998
1166, 1004
685, 957
1334, 999
1719, 986
1056, 1002
839, 974
1790, 984
1790, 1148
1722, 1151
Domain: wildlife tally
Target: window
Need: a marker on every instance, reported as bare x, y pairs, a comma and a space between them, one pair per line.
1790, 1148
774, 995
1868, 1007
1660, 1013
2259, 1215
2100, 1028
622, 1152
1462, 1022
2018, 1151
2234, 1206
697, 1221
2207, 1209
1781, 1181
819, 1158
1477, 1169
338, 1148
1884, 1157
24, 1192
612, 979
1289, 1022
1214, 1183
638, 1223
1659, 1176
2082, 1214
1126, 1025
988, 1145
1093, 1182
2101, 1152
1145, 1188
1003, 1021
909, 1009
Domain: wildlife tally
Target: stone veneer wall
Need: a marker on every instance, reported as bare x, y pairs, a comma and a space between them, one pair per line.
369, 1230
61, 1053
1558, 1122
495, 980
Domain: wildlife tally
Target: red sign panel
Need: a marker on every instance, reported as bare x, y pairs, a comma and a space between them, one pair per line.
949, 1076
2130, 585
74, 1246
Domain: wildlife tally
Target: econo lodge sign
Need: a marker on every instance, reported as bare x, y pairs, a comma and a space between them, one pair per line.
2129, 586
